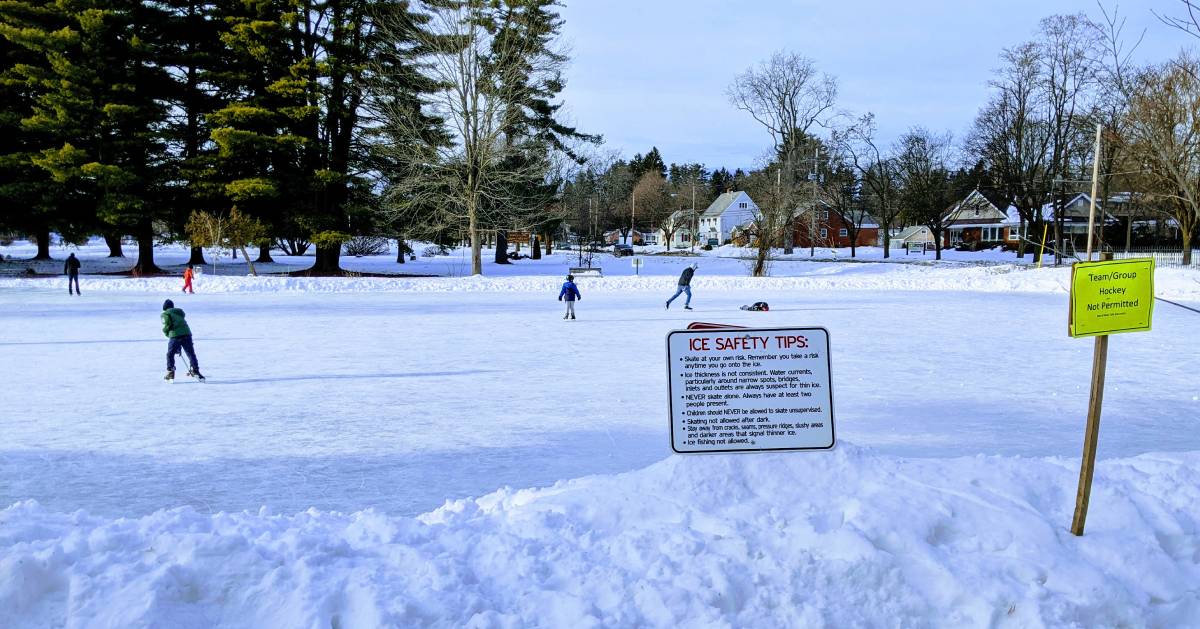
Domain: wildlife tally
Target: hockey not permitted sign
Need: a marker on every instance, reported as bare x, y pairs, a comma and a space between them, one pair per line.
750, 389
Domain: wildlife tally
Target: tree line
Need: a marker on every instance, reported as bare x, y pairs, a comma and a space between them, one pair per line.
1031, 144
317, 120
320, 121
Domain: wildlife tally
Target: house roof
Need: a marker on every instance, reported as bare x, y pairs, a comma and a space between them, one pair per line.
1076, 208
979, 207
909, 232
720, 204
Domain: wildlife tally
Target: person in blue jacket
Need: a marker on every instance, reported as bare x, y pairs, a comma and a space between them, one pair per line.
570, 292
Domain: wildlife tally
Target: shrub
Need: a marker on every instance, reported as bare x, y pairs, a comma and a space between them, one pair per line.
359, 246
434, 250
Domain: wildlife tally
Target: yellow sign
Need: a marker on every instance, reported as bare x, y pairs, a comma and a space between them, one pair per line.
1111, 297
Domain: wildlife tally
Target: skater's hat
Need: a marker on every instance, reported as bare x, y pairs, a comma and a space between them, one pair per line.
168, 304
570, 278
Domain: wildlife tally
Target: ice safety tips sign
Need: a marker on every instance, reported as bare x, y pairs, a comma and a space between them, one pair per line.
1111, 297
750, 389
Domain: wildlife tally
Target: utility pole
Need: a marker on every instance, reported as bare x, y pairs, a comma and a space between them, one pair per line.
632, 215
812, 233
694, 227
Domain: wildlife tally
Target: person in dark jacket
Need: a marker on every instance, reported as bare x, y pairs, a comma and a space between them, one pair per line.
179, 337
570, 292
71, 269
685, 286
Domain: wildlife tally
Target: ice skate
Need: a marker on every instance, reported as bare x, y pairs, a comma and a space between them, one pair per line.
170, 377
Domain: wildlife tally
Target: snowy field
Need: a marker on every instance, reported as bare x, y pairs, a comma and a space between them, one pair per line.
398, 452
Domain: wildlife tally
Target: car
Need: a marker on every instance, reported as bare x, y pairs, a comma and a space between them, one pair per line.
620, 250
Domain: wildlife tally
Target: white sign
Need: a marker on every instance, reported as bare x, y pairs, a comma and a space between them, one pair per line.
750, 389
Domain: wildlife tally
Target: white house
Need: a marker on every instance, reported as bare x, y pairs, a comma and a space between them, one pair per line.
1075, 220
730, 210
681, 222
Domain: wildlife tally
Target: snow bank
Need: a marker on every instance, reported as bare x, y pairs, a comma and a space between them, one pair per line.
1170, 283
843, 538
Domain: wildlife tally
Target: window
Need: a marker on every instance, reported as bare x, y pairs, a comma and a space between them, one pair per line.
742, 205
825, 214
824, 233
1012, 234
843, 233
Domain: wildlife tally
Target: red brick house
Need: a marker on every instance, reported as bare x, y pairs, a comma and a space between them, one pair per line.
829, 229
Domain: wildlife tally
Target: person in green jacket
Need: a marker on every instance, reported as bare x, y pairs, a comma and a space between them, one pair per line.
179, 337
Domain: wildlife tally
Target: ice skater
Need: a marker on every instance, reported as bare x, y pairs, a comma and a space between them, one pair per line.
685, 286
179, 337
571, 293
188, 274
71, 269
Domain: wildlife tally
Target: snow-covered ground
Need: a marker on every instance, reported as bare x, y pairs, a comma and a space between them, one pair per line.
306, 484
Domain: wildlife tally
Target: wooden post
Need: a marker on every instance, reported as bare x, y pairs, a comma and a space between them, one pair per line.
1091, 435
1092, 204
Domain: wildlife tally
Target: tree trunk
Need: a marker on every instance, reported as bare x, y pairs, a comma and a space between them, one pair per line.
476, 246
328, 260
1022, 237
114, 245
549, 244
264, 254
1128, 231
400, 251
197, 257
501, 247
43, 243
537, 248
760, 259
1186, 234
249, 263
789, 244
145, 262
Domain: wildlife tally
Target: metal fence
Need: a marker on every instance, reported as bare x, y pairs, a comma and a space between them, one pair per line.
1163, 256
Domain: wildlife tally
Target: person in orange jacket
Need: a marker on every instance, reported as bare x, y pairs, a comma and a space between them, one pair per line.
188, 274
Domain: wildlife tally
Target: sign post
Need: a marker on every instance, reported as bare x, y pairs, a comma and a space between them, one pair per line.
1107, 297
749, 389
637, 265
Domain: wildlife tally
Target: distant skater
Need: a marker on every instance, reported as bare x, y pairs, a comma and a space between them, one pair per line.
570, 292
685, 286
71, 268
179, 337
188, 274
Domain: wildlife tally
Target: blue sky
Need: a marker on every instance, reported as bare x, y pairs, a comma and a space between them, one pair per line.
653, 72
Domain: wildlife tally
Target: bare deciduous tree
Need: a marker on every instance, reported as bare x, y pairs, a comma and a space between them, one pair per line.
876, 171
788, 97
474, 180
235, 232
922, 160
1164, 134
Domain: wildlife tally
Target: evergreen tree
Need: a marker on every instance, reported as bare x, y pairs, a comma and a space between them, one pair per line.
721, 181
30, 199
191, 49
100, 107
264, 97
